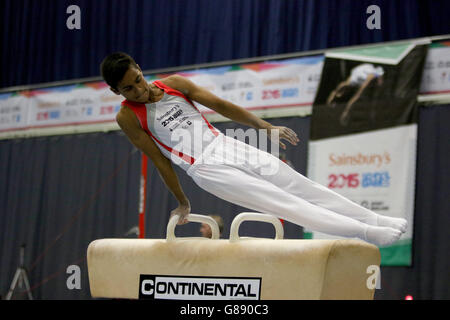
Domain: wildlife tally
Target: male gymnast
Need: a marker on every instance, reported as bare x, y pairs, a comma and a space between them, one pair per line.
350, 90
153, 114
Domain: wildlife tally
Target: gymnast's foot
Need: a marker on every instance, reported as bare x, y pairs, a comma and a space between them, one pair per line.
382, 236
396, 223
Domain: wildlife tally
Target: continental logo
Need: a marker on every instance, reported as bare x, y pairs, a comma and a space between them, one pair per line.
198, 288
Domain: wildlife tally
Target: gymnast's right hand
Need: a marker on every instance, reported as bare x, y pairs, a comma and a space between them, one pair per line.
182, 210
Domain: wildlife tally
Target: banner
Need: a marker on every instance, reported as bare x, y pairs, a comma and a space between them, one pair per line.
13, 111
436, 74
272, 84
59, 106
364, 133
265, 85
73, 105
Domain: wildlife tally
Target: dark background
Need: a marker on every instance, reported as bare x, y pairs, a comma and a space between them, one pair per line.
57, 194
38, 47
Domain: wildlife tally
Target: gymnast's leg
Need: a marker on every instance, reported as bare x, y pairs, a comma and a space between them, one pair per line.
291, 181
237, 185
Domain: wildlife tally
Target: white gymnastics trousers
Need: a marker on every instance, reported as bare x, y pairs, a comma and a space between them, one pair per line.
244, 175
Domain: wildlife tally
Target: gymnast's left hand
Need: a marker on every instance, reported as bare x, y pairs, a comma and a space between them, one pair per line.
284, 133
182, 210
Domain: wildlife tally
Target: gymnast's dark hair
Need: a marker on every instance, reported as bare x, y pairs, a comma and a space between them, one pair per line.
114, 67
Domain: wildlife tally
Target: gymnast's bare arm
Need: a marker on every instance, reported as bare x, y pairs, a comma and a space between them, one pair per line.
130, 126
227, 109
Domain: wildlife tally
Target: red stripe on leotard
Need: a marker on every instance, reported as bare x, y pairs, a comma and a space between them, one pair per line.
140, 111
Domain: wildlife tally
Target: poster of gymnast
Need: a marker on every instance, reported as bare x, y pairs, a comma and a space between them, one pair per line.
364, 133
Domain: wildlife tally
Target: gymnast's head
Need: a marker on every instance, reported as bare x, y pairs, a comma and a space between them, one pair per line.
205, 229
124, 77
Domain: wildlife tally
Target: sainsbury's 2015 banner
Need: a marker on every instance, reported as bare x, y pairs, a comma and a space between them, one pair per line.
364, 132
272, 84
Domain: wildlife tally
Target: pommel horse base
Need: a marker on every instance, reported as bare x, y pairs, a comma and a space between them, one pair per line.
237, 268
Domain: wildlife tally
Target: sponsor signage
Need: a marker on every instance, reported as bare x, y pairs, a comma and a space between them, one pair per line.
198, 288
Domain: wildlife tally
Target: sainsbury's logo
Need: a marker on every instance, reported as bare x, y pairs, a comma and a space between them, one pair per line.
359, 159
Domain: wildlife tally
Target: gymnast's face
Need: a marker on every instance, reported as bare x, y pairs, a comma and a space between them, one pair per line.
205, 230
133, 86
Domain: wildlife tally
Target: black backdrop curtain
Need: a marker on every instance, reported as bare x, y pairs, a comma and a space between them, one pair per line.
428, 278
38, 47
57, 194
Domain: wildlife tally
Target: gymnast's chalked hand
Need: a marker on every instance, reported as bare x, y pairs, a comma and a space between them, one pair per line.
182, 211
284, 133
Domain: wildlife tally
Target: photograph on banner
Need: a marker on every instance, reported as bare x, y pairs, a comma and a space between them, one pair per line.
363, 136
367, 89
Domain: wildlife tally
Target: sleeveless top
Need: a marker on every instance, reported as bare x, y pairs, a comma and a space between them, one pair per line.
178, 128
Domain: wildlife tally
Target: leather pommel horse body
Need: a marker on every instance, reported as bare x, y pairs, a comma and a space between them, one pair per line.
235, 268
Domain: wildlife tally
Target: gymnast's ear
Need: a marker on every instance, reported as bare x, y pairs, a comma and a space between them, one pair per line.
114, 90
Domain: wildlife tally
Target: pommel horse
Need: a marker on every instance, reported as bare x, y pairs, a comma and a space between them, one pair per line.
239, 268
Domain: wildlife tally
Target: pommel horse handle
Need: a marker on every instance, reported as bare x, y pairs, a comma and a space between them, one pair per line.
170, 234
253, 216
